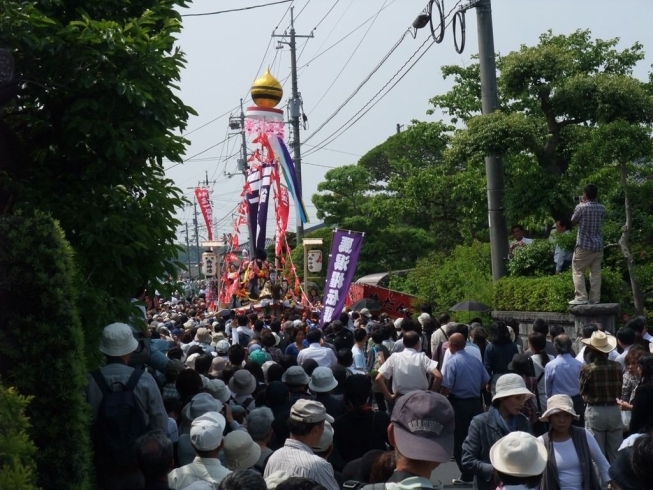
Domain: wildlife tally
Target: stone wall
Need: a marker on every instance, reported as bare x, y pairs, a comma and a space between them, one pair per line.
604, 314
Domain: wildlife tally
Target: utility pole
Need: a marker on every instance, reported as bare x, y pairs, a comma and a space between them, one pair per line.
493, 165
188, 252
242, 165
294, 105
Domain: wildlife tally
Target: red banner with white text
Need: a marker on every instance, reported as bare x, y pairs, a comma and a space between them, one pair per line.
204, 202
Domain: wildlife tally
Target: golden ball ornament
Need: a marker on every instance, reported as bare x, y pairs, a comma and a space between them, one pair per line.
266, 90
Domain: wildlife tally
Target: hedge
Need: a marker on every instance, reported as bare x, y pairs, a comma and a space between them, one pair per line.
550, 293
42, 346
17, 467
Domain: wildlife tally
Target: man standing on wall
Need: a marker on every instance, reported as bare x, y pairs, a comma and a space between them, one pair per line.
589, 215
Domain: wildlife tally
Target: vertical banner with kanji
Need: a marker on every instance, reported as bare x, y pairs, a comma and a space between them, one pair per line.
345, 248
204, 202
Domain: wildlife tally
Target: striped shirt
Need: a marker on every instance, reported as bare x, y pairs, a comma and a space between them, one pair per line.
590, 216
297, 459
601, 381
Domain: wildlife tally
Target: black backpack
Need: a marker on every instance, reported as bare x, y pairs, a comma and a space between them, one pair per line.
120, 421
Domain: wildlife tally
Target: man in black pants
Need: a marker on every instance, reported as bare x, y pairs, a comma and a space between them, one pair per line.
463, 380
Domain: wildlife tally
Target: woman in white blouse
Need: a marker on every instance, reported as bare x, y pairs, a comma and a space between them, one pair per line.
571, 450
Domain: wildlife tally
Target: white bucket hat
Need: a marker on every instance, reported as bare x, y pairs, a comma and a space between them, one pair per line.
240, 450
557, 404
519, 454
601, 342
510, 385
117, 340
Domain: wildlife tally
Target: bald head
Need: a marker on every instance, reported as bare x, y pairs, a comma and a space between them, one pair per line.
456, 342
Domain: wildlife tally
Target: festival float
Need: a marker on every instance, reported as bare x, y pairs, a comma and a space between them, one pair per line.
250, 280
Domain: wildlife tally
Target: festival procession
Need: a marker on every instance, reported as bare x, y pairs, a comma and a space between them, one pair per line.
453, 291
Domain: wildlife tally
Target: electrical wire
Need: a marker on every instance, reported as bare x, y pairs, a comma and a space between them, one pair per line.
300, 12
324, 94
325, 15
343, 38
198, 154
237, 10
354, 119
360, 86
319, 145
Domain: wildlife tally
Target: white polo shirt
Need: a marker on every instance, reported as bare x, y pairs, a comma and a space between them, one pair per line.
409, 370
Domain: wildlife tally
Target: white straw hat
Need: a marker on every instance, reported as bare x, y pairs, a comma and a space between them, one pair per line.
519, 454
557, 404
510, 385
601, 342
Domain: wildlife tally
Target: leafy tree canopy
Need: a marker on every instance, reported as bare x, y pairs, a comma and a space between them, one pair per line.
86, 137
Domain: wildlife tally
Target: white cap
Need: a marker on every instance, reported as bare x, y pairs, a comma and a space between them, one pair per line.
206, 431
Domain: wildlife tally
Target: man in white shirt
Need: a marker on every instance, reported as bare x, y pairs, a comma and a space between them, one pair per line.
408, 369
244, 333
324, 356
206, 437
358, 351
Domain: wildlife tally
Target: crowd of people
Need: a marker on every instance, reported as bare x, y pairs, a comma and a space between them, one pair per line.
246, 401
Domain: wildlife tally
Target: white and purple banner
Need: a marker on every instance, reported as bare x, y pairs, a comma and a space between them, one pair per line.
345, 249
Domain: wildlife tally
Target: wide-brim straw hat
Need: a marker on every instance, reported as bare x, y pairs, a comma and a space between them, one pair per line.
601, 342
557, 404
510, 385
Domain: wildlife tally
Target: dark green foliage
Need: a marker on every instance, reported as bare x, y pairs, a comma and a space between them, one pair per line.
550, 293
42, 345
447, 279
17, 467
97, 116
534, 259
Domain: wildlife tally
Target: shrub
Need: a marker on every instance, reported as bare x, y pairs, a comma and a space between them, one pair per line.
17, 467
550, 293
41, 346
447, 279
534, 259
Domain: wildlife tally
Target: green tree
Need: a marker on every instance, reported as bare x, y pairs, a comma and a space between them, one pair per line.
552, 96
87, 138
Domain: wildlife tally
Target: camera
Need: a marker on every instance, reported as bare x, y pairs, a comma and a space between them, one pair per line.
578, 199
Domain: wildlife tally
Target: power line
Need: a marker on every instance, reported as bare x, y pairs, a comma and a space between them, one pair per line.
342, 38
237, 10
329, 139
337, 151
325, 15
349, 59
198, 154
355, 119
300, 12
211, 121
360, 86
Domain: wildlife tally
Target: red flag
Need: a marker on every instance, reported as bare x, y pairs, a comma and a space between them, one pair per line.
202, 196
